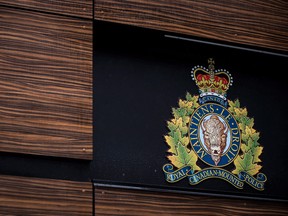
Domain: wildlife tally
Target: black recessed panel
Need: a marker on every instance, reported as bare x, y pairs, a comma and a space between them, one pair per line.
139, 77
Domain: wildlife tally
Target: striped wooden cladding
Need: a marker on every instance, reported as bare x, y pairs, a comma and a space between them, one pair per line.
33, 196
45, 84
79, 8
111, 201
258, 23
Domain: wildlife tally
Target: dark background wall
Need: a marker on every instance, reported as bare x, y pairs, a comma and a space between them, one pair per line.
46, 59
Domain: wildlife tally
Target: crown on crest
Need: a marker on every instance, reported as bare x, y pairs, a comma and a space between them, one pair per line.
211, 81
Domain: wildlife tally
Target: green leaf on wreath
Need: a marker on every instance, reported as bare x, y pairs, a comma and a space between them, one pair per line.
241, 112
250, 136
245, 121
173, 141
177, 123
178, 139
257, 152
245, 163
179, 112
184, 157
233, 105
193, 98
185, 104
252, 143
250, 148
245, 148
189, 97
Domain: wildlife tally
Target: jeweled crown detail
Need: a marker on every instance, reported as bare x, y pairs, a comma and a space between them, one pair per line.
211, 81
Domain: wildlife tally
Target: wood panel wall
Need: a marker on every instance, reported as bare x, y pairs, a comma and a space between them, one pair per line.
34, 196
258, 23
78, 8
127, 202
46, 84
46, 94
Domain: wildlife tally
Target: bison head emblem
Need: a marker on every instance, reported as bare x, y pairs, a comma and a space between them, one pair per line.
215, 136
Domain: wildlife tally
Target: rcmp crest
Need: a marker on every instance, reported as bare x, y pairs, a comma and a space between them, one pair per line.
216, 131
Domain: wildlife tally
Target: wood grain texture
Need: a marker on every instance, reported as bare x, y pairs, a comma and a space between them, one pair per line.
258, 23
109, 201
79, 8
45, 84
33, 196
